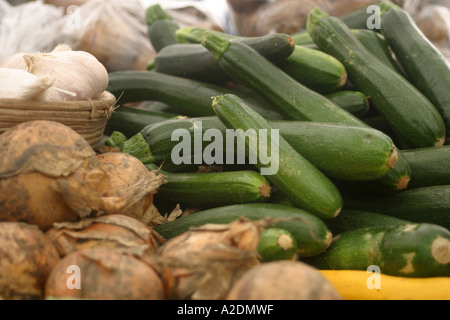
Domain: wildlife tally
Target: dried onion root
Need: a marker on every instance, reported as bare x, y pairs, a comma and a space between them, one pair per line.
27, 257
283, 280
106, 274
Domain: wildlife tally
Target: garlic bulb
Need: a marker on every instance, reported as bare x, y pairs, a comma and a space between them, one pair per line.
15, 61
78, 74
19, 84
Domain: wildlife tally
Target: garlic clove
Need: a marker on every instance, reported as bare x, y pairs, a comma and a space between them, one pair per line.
20, 84
15, 61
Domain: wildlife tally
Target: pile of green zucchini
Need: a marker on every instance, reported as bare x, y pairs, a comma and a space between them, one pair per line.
363, 116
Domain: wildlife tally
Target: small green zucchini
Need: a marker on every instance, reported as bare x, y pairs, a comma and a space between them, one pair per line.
310, 232
413, 118
297, 102
420, 205
429, 166
213, 189
160, 27
423, 63
277, 244
193, 61
191, 97
407, 250
315, 69
290, 172
355, 102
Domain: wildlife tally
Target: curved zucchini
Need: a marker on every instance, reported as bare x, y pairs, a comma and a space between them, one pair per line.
191, 97
429, 166
413, 118
423, 63
407, 250
355, 102
297, 102
206, 190
315, 69
420, 205
193, 61
310, 232
290, 172
160, 27
340, 151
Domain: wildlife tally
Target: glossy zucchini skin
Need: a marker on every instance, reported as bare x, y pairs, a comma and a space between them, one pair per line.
420, 205
408, 250
193, 61
310, 232
413, 118
423, 63
315, 69
290, 172
297, 102
347, 152
206, 190
191, 97
429, 166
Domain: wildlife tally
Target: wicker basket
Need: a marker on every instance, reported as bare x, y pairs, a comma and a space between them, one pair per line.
87, 117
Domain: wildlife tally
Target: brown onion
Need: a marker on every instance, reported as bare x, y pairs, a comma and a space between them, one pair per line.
283, 280
27, 257
109, 231
106, 274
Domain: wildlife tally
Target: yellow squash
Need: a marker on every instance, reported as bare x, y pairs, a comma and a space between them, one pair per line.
361, 285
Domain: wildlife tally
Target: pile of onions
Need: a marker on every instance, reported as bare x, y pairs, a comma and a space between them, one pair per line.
49, 173
27, 257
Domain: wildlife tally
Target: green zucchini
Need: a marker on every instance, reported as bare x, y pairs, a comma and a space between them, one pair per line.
295, 176
357, 19
420, 205
301, 38
206, 190
376, 44
160, 27
350, 219
115, 139
276, 244
396, 180
340, 151
130, 120
193, 61
408, 250
194, 34
429, 166
355, 102
315, 69
310, 232
423, 63
191, 97
297, 102
413, 118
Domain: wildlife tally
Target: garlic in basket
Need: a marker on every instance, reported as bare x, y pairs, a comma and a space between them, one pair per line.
19, 84
78, 74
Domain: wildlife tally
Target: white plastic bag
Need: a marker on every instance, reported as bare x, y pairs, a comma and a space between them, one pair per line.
29, 27
114, 31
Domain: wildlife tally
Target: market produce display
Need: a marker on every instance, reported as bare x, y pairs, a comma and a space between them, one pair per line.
311, 165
